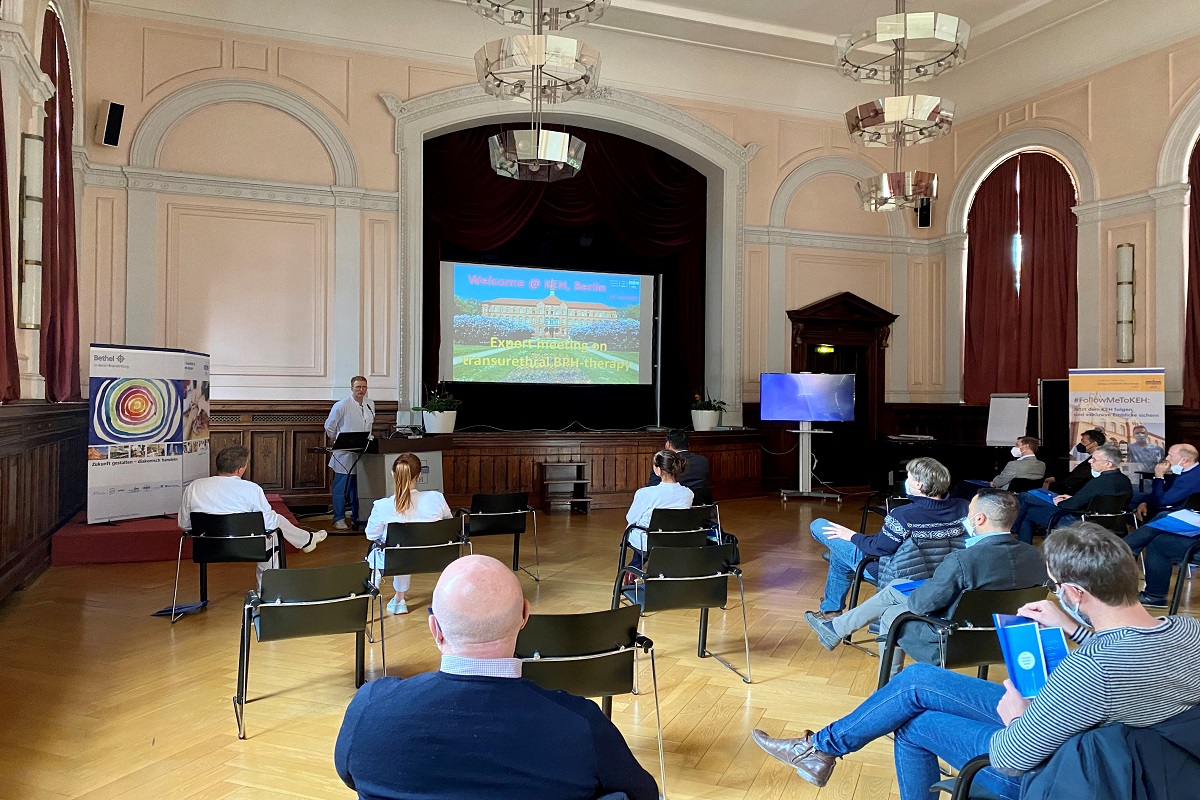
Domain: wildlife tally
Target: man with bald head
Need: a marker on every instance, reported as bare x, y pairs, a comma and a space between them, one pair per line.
476, 728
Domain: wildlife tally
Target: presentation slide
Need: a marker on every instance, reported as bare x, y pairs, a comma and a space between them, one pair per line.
541, 325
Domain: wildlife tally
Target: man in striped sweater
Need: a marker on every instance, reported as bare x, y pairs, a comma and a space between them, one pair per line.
1130, 668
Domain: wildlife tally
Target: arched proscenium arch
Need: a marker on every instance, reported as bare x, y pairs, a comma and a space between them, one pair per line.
711, 152
1077, 161
157, 125
778, 338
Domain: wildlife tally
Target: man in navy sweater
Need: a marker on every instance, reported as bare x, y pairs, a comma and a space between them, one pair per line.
1175, 480
1107, 480
476, 728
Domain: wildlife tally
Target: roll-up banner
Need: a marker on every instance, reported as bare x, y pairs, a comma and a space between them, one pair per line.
1129, 406
148, 429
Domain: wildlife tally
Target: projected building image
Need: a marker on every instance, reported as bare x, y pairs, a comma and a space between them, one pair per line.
550, 317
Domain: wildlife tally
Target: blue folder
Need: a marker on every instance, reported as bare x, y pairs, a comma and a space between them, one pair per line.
1183, 523
907, 587
1044, 494
1031, 652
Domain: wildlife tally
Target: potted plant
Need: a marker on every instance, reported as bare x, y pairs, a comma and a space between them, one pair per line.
706, 413
439, 411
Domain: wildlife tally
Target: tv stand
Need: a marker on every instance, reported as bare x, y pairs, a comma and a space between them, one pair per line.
805, 431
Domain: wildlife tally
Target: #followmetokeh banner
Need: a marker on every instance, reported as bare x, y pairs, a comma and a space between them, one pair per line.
148, 435
1129, 406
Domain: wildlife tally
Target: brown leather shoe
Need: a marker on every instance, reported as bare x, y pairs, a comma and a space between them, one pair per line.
809, 762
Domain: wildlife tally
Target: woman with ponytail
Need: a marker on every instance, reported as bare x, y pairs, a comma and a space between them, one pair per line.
407, 504
668, 465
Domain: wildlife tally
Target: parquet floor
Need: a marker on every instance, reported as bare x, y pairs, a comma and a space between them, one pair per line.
101, 700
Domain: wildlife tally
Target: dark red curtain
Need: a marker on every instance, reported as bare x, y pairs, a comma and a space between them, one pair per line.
1191, 334
10, 373
60, 287
653, 204
990, 356
1048, 316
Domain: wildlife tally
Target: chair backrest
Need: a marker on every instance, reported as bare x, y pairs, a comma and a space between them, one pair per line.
1108, 504
220, 538
313, 602
675, 539
414, 548
974, 642
687, 577
1024, 484
510, 509
679, 519
1193, 502
589, 654
703, 496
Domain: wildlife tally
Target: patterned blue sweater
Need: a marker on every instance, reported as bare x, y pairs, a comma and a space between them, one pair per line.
924, 518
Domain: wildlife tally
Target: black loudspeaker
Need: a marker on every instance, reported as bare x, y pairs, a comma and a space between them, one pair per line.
108, 123
924, 214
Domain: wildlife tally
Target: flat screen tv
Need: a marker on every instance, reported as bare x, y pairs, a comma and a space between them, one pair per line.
806, 397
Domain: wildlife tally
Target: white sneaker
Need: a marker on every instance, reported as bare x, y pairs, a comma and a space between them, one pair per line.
341, 525
317, 538
397, 605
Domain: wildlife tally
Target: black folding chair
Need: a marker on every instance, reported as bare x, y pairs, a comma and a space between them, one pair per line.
882, 502
694, 520
223, 538
307, 602
592, 654
1109, 510
678, 574
703, 498
416, 548
1185, 567
967, 637
503, 515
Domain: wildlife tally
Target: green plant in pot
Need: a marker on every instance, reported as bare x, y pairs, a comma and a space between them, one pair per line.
439, 411
706, 412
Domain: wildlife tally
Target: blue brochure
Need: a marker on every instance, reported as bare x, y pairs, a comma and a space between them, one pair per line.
1183, 523
1044, 494
907, 587
1030, 652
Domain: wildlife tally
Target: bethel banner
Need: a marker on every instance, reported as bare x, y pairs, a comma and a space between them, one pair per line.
1129, 406
148, 431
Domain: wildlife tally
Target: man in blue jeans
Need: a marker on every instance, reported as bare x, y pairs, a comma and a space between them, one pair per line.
1107, 480
930, 515
1130, 668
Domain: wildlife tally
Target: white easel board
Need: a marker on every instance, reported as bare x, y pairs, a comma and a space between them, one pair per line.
1007, 417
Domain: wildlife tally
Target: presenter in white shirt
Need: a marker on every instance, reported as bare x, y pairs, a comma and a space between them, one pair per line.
408, 504
351, 414
668, 466
227, 493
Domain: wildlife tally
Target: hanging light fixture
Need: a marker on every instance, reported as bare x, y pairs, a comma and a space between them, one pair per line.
902, 48
543, 68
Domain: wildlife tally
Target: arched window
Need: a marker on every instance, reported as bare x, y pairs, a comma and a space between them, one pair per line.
60, 285
1191, 337
1021, 287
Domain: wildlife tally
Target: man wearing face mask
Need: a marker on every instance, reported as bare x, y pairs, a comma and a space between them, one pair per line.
991, 559
930, 516
1143, 451
1175, 479
1024, 464
1130, 668
1081, 472
1107, 481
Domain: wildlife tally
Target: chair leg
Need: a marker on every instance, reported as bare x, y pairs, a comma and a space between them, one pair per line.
606, 706
706, 653
371, 615
281, 548
537, 563
662, 764
982, 672
239, 700
382, 643
175, 596
360, 647
204, 583
702, 638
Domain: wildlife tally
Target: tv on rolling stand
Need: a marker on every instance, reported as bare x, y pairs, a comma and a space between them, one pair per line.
806, 397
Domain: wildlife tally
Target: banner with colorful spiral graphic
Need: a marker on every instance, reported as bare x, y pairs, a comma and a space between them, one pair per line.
136, 410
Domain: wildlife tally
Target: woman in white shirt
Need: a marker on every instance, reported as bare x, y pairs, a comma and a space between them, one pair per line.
406, 505
670, 493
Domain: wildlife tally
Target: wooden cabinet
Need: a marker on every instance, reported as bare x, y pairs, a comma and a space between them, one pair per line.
565, 486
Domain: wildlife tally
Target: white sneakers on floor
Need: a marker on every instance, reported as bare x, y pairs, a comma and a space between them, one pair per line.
397, 605
317, 538
341, 525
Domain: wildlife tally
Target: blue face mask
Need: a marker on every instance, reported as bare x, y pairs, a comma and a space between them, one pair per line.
1073, 613
969, 527
1176, 469
910, 488
1095, 473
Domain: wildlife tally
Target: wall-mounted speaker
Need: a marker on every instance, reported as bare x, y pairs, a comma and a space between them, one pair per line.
108, 123
924, 213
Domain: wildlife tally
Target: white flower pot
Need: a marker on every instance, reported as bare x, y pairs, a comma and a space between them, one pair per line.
705, 420
439, 421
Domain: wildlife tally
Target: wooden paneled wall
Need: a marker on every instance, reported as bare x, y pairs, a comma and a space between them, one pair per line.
43, 483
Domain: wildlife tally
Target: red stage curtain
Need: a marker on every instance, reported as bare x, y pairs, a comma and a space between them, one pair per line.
1191, 335
10, 374
654, 205
990, 357
60, 288
1048, 316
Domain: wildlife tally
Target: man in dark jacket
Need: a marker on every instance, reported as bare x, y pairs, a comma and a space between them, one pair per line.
696, 475
1107, 480
992, 559
1081, 473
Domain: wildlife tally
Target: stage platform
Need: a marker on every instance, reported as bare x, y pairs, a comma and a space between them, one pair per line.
128, 541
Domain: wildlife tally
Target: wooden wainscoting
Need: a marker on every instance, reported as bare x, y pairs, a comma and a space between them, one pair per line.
43, 483
279, 435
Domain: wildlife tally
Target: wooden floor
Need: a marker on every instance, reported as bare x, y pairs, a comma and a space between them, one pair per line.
101, 700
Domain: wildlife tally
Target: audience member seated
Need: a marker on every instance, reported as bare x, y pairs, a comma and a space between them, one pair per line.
930, 515
695, 475
476, 728
227, 493
1160, 551
1081, 473
667, 493
1133, 669
1106, 481
1175, 480
407, 504
991, 559
1024, 464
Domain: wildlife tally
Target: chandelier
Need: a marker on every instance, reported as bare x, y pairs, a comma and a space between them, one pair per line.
902, 48
543, 68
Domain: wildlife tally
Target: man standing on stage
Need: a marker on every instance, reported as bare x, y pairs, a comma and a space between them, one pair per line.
349, 415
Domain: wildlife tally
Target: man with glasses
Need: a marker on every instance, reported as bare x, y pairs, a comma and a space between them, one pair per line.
353, 414
1038, 507
1130, 668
